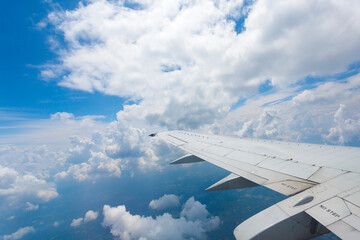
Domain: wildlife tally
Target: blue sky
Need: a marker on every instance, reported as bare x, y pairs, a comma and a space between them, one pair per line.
84, 83
25, 50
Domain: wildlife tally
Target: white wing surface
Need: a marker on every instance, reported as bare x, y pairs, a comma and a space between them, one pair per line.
323, 182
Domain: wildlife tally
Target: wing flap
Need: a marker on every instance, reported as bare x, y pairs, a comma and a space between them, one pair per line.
289, 167
329, 211
324, 174
289, 187
353, 221
344, 230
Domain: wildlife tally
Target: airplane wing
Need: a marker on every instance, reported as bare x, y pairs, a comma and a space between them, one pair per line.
323, 182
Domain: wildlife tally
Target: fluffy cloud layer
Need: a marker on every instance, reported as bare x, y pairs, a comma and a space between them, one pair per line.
16, 189
119, 147
166, 201
327, 113
184, 63
19, 233
34, 159
27, 130
193, 223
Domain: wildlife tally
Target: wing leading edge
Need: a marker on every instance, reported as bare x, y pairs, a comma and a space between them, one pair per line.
324, 182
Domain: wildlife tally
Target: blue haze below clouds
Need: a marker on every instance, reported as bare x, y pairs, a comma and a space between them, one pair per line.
76, 198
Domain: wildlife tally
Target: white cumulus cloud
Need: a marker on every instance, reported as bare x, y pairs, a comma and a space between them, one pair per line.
327, 113
193, 223
90, 216
166, 201
17, 188
76, 222
183, 62
107, 153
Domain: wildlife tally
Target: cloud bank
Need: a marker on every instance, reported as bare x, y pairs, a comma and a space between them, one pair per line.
107, 153
185, 63
16, 189
327, 113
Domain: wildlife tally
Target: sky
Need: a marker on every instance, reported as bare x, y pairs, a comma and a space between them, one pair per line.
84, 82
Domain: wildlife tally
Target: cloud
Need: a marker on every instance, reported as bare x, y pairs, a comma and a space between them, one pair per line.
7, 176
34, 159
97, 152
80, 150
62, 116
120, 147
17, 188
97, 165
76, 222
30, 131
152, 59
90, 216
184, 64
166, 201
19, 233
31, 207
193, 223
346, 129
184, 68
194, 210
326, 113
